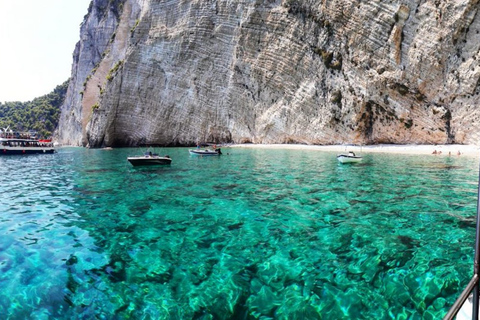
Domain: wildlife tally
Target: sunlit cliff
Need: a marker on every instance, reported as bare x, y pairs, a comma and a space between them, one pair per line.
292, 71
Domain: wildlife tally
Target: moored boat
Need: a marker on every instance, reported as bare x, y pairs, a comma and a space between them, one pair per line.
351, 157
206, 152
12, 143
149, 159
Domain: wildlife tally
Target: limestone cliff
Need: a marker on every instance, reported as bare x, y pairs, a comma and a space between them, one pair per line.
287, 71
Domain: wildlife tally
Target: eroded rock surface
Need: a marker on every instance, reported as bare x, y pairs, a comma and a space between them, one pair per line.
291, 71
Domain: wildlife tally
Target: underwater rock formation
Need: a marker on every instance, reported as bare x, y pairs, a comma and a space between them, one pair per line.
289, 71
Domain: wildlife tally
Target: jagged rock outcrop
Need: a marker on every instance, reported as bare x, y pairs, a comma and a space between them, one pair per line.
290, 71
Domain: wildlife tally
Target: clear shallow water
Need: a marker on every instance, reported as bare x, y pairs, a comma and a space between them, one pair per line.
256, 234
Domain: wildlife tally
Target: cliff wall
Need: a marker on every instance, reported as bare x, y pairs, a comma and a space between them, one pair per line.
287, 71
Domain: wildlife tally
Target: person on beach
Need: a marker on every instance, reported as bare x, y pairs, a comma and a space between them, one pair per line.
434, 152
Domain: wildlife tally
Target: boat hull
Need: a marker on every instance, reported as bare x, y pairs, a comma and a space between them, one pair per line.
9, 151
149, 161
465, 312
348, 159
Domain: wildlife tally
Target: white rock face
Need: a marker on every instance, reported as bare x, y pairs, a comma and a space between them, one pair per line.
291, 71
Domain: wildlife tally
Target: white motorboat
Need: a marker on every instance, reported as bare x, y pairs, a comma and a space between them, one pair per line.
351, 157
206, 152
149, 159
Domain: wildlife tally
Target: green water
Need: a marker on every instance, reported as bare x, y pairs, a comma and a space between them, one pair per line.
253, 234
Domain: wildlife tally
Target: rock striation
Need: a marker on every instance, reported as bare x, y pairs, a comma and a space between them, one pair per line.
287, 71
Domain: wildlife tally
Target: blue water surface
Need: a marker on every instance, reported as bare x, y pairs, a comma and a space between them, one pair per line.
252, 234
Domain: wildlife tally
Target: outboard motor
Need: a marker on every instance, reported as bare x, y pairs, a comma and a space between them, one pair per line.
218, 150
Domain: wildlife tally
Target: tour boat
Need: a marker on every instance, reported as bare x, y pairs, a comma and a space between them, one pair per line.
349, 158
149, 159
23, 143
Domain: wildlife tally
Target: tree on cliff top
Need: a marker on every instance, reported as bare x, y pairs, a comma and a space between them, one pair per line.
41, 114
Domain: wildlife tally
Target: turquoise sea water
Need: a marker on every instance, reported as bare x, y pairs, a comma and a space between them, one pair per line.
253, 234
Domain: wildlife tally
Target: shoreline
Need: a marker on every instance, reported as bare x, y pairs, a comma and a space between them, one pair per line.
442, 149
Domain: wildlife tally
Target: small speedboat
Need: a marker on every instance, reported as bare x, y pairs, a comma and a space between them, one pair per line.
206, 152
349, 158
149, 159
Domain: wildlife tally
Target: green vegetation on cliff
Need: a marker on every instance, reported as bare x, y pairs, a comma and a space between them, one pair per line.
41, 114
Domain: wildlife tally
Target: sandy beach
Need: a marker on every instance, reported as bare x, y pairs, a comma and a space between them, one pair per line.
441, 150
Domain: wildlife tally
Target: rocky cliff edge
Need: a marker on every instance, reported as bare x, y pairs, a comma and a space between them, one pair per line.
290, 71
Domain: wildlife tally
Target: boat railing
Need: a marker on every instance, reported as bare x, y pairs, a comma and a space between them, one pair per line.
18, 135
473, 285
